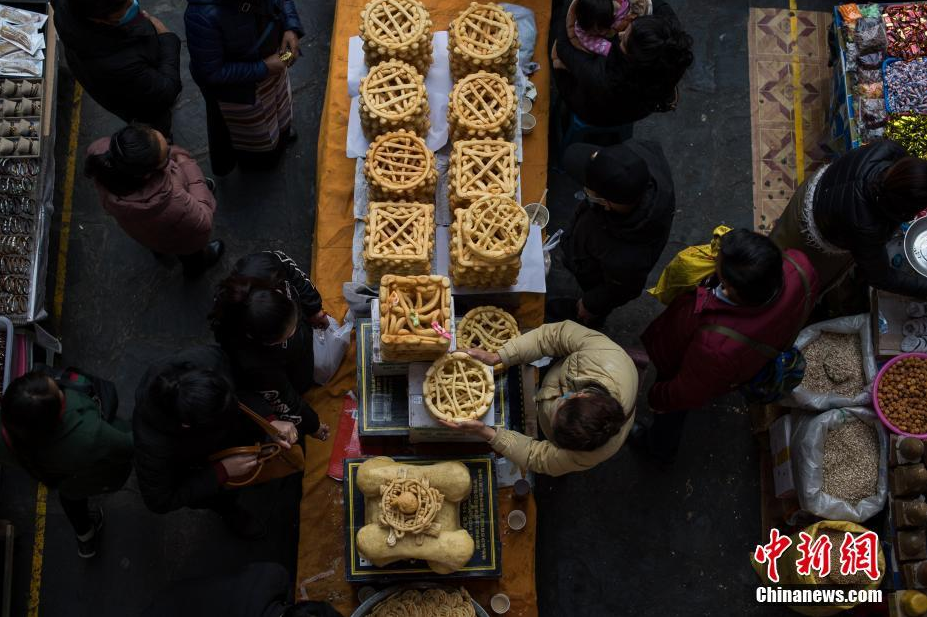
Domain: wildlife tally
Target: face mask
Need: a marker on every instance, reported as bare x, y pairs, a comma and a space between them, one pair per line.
131, 14
566, 395
599, 201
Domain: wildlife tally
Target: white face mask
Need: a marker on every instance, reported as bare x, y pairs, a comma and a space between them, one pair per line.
599, 201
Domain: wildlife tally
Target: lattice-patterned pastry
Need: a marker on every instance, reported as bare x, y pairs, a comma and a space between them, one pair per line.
398, 239
469, 270
399, 29
495, 228
483, 37
486, 327
458, 388
481, 167
415, 317
482, 105
393, 97
413, 512
399, 165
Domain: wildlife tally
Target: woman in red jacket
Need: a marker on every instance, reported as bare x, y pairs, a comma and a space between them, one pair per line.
157, 193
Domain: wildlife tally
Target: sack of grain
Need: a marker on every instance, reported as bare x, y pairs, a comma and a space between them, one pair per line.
840, 365
844, 451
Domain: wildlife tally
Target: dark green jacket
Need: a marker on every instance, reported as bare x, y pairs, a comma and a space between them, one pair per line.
83, 457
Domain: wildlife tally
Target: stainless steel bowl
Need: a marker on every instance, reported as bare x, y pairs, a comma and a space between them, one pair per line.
364, 609
915, 245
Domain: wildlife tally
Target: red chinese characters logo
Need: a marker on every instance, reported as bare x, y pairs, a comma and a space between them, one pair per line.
858, 553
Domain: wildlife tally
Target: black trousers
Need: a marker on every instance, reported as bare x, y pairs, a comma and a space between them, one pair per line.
665, 433
77, 511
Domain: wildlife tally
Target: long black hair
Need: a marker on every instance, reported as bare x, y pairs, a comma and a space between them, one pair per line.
134, 154
260, 310
659, 52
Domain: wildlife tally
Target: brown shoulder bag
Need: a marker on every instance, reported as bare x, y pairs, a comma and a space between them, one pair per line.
273, 460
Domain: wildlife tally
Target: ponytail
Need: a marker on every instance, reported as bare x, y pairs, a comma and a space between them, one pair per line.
134, 154
190, 395
259, 309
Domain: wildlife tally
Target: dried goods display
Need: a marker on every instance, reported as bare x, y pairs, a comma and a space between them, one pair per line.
910, 131
835, 365
482, 167
399, 165
904, 30
906, 84
482, 105
20, 117
902, 394
398, 239
18, 228
414, 603
486, 327
483, 37
442, 543
397, 29
458, 388
393, 97
851, 461
415, 317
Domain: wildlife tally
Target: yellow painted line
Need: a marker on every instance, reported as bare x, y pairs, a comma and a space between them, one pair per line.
38, 551
66, 205
41, 496
797, 94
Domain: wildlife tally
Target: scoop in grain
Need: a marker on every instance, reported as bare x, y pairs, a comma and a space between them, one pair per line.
834, 365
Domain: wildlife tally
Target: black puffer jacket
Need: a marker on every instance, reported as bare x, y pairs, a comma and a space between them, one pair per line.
611, 254
847, 214
275, 376
171, 462
130, 70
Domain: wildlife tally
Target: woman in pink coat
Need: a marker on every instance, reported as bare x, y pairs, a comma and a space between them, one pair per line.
157, 193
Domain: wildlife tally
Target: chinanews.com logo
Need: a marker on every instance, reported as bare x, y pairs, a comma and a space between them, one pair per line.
858, 555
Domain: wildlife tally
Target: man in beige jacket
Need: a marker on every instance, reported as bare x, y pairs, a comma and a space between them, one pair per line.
585, 403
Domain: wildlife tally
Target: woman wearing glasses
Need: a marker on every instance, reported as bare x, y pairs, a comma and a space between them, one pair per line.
262, 317
157, 193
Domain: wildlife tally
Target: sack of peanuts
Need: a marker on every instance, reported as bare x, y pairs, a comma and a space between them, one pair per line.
840, 462
840, 365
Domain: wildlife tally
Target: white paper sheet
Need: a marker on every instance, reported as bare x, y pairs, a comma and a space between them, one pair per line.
530, 278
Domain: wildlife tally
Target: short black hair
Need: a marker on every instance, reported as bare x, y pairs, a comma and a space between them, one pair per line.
751, 264
595, 14
192, 395
660, 51
586, 423
31, 406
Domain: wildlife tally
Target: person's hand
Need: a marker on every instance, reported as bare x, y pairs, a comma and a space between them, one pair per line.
486, 357
290, 43
323, 432
582, 314
555, 59
286, 431
274, 64
239, 464
159, 26
319, 321
473, 427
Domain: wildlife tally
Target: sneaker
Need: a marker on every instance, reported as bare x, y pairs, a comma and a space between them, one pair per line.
211, 185
87, 543
243, 524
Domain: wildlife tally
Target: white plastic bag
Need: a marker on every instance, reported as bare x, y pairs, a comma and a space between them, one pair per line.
329, 346
822, 401
807, 455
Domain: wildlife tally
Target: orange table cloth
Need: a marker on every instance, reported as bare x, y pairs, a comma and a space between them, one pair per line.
321, 568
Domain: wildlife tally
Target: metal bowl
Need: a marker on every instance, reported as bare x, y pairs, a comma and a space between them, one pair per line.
915, 245
364, 609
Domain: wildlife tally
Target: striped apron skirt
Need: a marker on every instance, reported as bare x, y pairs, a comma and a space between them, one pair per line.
257, 127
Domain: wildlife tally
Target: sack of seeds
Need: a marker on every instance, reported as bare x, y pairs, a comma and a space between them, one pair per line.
840, 462
840, 365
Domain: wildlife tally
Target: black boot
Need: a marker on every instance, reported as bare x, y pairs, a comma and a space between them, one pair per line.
194, 265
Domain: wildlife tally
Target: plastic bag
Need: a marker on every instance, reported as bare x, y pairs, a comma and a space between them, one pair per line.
807, 454
789, 576
870, 36
822, 401
688, 268
329, 346
548, 246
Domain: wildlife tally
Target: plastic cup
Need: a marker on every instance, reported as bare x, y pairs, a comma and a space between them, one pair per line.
541, 218
517, 520
526, 105
528, 122
522, 487
500, 603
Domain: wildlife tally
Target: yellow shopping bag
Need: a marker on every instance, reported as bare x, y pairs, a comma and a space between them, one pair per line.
688, 268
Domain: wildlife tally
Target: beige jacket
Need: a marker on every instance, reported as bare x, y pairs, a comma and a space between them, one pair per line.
585, 356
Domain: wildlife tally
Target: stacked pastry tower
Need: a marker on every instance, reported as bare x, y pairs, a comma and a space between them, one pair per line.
398, 239
486, 243
480, 168
483, 37
482, 105
400, 166
415, 317
397, 29
393, 97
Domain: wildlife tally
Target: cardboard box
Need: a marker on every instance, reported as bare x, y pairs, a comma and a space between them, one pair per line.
889, 312
382, 401
479, 515
780, 439
424, 427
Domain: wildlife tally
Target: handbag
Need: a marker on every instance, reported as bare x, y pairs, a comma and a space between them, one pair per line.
785, 369
102, 391
273, 460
